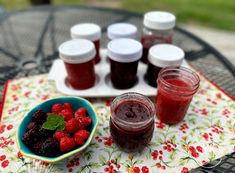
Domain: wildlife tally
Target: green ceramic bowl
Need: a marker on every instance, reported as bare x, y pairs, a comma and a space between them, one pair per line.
76, 102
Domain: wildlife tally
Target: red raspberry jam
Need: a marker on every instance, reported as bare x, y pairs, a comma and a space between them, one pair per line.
81, 76
176, 87
78, 56
132, 121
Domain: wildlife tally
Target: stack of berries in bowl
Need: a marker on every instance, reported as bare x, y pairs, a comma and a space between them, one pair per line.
58, 131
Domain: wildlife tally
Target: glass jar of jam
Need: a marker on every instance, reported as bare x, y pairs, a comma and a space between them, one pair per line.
158, 28
89, 31
78, 56
122, 30
132, 121
176, 87
124, 54
160, 56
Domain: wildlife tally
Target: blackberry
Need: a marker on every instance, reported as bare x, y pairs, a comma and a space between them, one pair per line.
44, 133
36, 147
50, 148
39, 116
32, 125
31, 137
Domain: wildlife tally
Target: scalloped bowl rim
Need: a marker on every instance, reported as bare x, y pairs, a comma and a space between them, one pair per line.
65, 155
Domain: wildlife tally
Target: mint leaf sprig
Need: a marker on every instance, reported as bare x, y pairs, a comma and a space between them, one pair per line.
54, 122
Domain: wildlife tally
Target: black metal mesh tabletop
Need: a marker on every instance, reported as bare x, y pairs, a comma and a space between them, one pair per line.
29, 40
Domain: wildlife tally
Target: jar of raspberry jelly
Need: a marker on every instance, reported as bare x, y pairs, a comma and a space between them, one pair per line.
122, 30
132, 121
89, 31
160, 56
78, 56
176, 87
158, 28
124, 55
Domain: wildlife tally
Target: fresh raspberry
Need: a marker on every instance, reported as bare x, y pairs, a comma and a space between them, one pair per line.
56, 108
67, 114
67, 144
81, 112
68, 106
73, 125
86, 121
81, 136
60, 134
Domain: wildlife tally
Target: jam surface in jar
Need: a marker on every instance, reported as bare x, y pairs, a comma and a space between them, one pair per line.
127, 137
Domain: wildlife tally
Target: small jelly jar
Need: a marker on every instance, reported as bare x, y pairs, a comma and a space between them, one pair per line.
176, 87
160, 56
132, 121
89, 31
122, 30
158, 28
78, 56
124, 54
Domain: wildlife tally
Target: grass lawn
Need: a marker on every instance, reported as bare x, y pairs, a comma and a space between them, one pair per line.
211, 13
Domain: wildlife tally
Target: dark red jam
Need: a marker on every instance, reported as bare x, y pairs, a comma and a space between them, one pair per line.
97, 48
124, 128
81, 76
149, 40
152, 74
123, 75
171, 108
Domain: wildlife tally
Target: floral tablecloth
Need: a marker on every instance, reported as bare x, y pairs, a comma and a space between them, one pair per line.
207, 133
